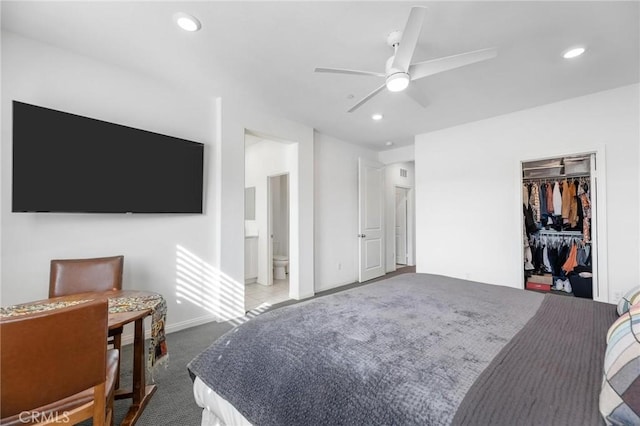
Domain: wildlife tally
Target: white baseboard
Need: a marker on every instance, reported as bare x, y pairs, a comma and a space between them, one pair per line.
127, 336
331, 287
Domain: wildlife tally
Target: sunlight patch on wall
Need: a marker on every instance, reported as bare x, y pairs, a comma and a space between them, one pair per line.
205, 286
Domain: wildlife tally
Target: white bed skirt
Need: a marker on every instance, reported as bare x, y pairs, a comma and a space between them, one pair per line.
216, 410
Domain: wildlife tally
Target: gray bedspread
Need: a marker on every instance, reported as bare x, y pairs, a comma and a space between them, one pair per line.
400, 351
549, 374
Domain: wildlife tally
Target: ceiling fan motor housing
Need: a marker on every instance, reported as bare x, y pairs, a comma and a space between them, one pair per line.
396, 79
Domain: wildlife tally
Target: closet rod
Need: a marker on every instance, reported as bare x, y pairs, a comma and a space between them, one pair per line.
560, 233
559, 177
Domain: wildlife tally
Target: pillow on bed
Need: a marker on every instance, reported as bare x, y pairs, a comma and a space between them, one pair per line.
630, 298
620, 394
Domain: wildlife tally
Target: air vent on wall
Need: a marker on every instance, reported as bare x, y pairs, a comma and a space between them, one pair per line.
403, 172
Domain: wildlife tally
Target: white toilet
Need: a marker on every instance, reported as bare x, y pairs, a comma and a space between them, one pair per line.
280, 264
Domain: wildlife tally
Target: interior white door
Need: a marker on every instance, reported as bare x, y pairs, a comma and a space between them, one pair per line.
371, 219
269, 260
401, 226
595, 283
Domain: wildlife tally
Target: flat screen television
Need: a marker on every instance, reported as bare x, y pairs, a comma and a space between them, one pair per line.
64, 162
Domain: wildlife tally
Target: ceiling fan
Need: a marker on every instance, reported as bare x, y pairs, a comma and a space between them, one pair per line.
400, 72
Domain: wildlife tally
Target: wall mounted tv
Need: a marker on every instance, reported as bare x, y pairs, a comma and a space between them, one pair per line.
68, 163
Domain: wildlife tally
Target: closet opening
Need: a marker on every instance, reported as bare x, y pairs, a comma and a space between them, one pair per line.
559, 225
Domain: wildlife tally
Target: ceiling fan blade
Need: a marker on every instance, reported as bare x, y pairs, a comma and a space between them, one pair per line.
434, 66
366, 98
410, 35
417, 95
345, 71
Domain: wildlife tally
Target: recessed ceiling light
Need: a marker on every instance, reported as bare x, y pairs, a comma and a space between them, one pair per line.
376, 117
388, 143
573, 53
187, 22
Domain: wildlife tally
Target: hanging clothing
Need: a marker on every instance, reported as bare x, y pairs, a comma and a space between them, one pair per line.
545, 259
552, 254
534, 201
569, 204
529, 222
572, 259
528, 266
543, 202
557, 199
563, 254
525, 195
538, 261
550, 207
586, 213
580, 213
583, 256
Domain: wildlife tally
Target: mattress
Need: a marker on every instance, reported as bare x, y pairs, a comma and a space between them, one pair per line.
216, 410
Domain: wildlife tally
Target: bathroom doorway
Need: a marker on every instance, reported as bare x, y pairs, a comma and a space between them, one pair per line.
270, 172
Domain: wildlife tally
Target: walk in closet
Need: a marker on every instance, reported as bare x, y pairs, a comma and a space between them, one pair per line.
558, 208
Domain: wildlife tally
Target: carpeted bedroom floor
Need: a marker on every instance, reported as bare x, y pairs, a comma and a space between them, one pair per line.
173, 402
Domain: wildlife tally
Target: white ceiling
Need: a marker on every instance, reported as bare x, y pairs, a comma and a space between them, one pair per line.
264, 53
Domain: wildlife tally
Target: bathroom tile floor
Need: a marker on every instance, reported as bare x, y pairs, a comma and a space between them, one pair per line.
256, 294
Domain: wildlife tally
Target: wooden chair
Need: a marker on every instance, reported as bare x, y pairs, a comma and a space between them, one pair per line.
71, 276
55, 366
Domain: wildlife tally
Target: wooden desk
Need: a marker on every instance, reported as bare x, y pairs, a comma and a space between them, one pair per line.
140, 393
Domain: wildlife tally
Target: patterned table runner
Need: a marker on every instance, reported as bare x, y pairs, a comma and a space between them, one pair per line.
158, 353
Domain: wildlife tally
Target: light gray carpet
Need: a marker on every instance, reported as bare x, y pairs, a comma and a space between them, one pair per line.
173, 402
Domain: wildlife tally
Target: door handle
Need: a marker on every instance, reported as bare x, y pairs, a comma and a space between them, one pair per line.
361, 235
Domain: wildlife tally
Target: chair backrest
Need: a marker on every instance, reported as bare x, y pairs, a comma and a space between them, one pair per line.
51, 355
71, 276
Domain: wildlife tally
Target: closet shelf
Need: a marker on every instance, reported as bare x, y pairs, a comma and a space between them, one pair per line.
543, 167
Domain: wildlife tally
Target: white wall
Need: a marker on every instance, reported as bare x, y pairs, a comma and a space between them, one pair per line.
393, 180
468, 184
43, 75
336, 201
397, 155
264, 159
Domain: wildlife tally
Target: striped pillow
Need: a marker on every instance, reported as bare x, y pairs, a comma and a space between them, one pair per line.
630, 298
620, 394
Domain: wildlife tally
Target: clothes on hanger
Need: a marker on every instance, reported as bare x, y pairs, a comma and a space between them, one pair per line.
572, 259
534, 201
559, 205
557, 254
557, 199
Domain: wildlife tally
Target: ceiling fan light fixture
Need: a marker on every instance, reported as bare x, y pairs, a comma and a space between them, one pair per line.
187, 22
398, 82
573, 53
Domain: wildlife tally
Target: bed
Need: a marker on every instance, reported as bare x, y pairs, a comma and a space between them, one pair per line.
415, 349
